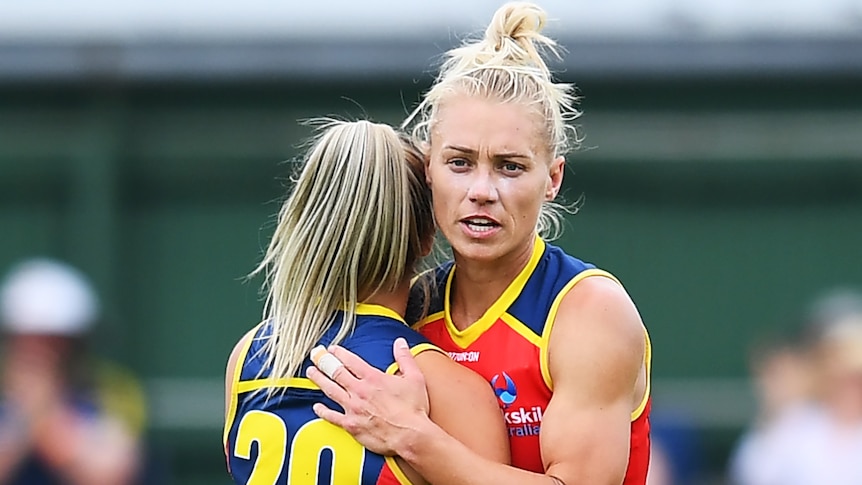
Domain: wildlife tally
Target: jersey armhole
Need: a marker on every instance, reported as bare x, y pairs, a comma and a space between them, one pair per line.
416, 350
396, 470
648, 364
392, 369
552, 316
232, 392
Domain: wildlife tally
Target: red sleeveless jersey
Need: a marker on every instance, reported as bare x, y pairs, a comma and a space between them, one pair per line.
508, 347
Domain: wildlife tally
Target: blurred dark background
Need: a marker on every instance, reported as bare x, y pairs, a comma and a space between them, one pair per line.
721, 172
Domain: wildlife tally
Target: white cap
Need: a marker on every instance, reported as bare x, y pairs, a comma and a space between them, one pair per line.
47, 297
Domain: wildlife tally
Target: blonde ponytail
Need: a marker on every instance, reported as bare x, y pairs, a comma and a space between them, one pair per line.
350, 229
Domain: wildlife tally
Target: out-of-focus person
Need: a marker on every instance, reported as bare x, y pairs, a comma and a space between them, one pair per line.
676, 449
660, 470
783, 378
63, 420
809, 430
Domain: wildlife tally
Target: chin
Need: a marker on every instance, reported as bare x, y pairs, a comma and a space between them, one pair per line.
479, 251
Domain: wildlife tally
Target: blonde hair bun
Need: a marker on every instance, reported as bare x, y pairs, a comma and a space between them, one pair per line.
520, 23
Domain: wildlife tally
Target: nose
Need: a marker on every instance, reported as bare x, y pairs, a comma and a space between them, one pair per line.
482, 189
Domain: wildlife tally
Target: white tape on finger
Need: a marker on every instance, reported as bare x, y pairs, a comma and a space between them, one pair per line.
325, 362
328, 364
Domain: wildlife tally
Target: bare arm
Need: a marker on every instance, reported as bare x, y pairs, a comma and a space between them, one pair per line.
596, 355
464, 406
460, 405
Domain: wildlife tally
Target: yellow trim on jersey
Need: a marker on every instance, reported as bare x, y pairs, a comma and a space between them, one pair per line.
237, 375
463, 338
415, 350
242, 387
392, 369
397, 471
522, 329
552, 316
255, 384
648, 363
430, 318
378, 311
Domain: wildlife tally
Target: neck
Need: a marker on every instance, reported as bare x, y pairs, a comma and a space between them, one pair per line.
395, 300
476, 285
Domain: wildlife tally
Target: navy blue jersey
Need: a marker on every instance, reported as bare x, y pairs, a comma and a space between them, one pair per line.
276, 439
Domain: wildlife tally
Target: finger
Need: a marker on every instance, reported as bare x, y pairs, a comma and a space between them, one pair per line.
328, 386
332, 367
354, 363
406, 362
326, 362
328, 414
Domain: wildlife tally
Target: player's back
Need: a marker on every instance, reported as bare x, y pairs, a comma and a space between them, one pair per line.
275, 438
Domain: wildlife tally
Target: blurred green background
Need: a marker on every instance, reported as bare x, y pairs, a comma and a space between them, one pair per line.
724, 204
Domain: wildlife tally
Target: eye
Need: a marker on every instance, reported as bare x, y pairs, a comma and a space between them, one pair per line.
511, 168
458, 164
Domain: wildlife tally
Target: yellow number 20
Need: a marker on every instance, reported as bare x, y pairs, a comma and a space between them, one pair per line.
310, 440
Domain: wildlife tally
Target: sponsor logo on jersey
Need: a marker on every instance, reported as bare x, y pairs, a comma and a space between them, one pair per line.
524, 421
507, 392
532, 415
521, 421
471, 356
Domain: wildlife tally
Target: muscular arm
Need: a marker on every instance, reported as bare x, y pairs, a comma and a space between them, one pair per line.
595, 356
464, 406
464, 409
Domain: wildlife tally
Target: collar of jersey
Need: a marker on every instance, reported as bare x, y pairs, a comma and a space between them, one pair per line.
379, 311
464, 338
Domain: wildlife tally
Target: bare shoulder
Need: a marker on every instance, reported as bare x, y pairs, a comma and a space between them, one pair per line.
597, 321
233, 364
600, 305
238, 349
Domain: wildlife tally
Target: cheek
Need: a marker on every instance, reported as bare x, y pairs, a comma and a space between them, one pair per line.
446, 190
526, 199
441, 198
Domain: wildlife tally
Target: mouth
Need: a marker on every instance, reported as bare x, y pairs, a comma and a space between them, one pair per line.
480, 224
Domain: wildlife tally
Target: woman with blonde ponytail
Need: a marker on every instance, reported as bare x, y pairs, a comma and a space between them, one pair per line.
559, 340
338, 271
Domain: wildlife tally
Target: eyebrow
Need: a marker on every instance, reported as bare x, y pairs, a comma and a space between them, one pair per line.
470, 151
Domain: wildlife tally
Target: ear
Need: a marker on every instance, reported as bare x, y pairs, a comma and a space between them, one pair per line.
427, 166
427, 246
555, 178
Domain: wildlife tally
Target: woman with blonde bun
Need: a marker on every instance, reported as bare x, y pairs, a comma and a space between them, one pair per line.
559, 340
338, 270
